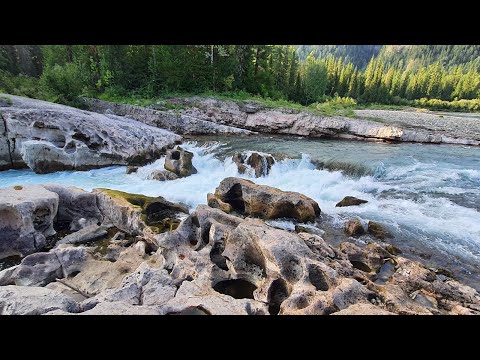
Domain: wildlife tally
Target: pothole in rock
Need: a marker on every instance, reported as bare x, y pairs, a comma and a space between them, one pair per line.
277, 293
217, 257
236, 288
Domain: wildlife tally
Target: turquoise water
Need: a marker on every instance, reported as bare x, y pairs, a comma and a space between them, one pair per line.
428, 196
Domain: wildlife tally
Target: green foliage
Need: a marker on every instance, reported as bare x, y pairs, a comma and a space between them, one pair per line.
64, 82
436, 77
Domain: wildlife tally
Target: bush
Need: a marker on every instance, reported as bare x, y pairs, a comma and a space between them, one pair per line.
64, 82
455, 105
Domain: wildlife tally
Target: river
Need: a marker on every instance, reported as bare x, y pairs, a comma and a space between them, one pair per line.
427, 196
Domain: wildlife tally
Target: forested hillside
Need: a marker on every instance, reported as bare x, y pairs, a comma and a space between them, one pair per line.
410, 57
441, 77
358, 55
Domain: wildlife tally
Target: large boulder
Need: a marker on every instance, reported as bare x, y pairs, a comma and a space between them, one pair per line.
49, 137
26, 219
179, 162
25, 300
260, 164
266, 202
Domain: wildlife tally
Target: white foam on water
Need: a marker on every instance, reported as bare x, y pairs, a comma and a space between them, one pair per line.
400, 198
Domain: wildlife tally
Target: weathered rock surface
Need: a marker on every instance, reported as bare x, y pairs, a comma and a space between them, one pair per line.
218, 263
216, 203
350, 201
162, 175
88, 233
49, 137
138, 214
363, 309
42, 268
397, 126
354, 228
25, 300
26, 219
266, 202
179, 123
179, 162
76, 207
259, 163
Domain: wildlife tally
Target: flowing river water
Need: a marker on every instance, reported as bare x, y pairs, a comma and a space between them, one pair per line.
427, 196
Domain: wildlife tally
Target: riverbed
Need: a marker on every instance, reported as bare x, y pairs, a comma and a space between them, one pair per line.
427, 196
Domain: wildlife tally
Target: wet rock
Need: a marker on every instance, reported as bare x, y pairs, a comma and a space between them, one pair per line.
51, 137
261, 164
131, 169
266, 202
162, 175
216, 203
179, 162
378, 231
309, 229
354, 228
26, 219
25, 300
350, 201
90, 233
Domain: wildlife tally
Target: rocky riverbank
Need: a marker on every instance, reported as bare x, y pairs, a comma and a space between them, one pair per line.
197, 115
108, 252
49, 137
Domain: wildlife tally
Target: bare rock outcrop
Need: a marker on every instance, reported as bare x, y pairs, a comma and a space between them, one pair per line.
26, 218
266, 202
49, 137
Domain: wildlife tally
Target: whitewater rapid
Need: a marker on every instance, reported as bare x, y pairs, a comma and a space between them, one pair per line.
426, 205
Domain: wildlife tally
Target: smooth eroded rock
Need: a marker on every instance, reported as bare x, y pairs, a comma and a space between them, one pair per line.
266, 202
179, 162
26, 300
26, 219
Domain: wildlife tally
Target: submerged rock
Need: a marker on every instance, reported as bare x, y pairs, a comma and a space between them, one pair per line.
260, 163
179, 162
354, 228
50, 137
378, 231
350, 201
26, 219
131, 169
266, 202
162, 175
